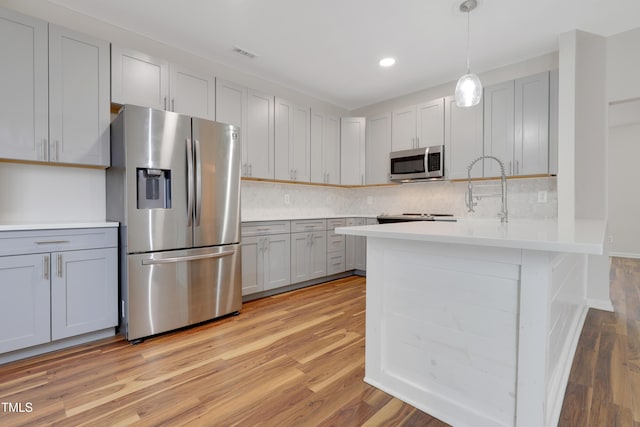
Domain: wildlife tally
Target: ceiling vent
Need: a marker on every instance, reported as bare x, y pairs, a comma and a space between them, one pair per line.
243, 52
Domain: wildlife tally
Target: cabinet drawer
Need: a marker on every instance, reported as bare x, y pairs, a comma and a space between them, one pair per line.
42, 241
308, 225
335, 242
336, 263
336, 222
261, 228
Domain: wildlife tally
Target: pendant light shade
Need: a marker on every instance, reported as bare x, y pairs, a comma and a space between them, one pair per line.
468, 91
469, 88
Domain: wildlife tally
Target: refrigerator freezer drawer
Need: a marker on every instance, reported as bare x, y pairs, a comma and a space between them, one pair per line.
169, 290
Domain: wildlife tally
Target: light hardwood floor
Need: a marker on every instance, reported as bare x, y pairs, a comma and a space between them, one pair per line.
295, 359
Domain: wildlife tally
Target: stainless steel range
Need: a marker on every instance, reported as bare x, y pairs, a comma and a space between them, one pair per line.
406, 217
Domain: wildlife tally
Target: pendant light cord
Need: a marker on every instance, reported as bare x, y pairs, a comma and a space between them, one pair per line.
468, 66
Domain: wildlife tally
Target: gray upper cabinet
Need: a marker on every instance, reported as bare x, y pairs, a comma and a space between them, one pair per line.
463, 139
419, 125
292, 141
325, 148
149, 81
516, 126
498, 127
79, 107
378, 146
139, 79
352, 150
531, 145
58, 84
24, 127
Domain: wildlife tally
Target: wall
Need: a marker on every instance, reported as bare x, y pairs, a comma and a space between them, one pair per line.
509, 72
264, 200
41, 192
624, 176
623, 63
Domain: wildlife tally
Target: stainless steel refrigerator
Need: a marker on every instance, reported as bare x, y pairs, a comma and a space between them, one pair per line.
174, 186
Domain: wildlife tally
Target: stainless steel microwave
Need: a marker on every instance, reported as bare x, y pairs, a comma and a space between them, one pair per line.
417, 164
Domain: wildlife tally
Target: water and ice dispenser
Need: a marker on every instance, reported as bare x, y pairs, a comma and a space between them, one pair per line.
154, 188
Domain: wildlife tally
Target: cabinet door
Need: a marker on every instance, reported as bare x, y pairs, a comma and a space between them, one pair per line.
331, 160
498, 127
79, 103
531, 149
277, 261
24, 301
318, 255
192, 92
260, 142
430, 123
403, 136
24, 117
353, 246
352, 148
317, 129
252, 279
300, 149
283, 139
300, 243
139, 79
378, 146
84, 291
553, 120
463, 139
231, 108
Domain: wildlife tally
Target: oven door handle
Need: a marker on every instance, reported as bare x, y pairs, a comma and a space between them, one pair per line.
187, 258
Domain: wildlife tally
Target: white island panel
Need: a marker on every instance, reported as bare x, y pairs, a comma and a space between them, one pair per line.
477, 334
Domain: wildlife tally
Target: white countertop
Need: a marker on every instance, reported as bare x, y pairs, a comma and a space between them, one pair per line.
285, 217
581, 236
19, 226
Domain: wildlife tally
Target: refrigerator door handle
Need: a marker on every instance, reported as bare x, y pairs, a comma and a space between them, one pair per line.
198, 182
227, 252
189, 183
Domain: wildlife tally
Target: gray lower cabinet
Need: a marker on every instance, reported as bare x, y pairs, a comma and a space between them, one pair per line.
356, 246
56, 284
335, 247
308, 250
266, 248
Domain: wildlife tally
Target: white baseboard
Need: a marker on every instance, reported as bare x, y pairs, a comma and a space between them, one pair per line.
600, 304
624, 255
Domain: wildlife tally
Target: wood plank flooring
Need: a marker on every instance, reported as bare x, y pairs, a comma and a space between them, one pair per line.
295, 359
604, 384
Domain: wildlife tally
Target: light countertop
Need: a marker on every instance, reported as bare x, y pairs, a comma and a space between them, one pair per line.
581, 236
298, 217
20, 226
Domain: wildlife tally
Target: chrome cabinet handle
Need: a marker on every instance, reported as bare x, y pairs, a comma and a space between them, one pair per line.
517, 167
173, 104
59, 264
250, 169
51, 242
45, 146
45, 267
164, 103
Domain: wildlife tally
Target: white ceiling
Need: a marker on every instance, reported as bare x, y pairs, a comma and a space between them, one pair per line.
330, 49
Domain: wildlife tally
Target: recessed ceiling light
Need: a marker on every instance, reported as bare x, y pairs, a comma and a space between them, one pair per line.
387, 62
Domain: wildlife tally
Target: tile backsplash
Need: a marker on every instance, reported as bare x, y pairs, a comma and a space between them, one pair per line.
268, 200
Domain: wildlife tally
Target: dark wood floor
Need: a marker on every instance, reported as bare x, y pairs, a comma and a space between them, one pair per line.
294, 359
604, 384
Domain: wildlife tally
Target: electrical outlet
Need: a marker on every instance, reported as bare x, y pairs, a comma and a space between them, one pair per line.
369, 200
287, 200
542, 197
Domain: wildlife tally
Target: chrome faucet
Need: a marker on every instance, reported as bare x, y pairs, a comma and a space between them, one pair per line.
503, 214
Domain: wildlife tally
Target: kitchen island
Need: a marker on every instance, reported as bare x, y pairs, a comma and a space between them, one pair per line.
476, 322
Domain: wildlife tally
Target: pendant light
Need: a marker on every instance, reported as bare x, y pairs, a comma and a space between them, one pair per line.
469, 88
